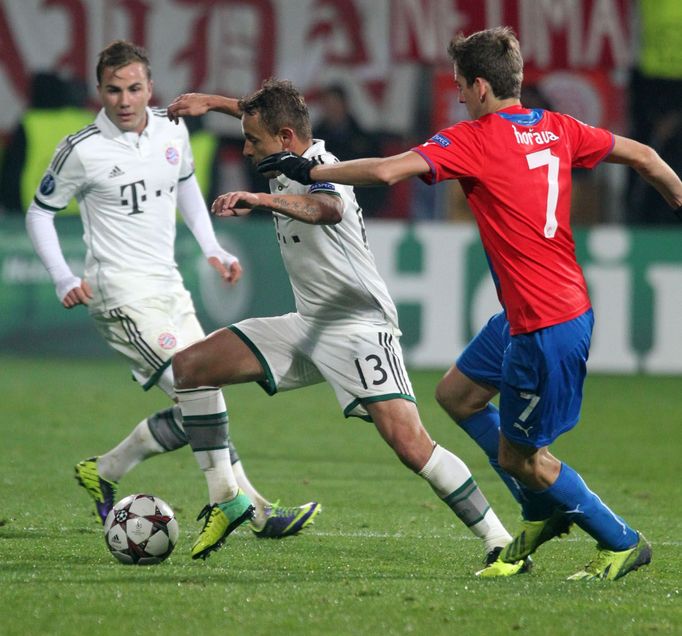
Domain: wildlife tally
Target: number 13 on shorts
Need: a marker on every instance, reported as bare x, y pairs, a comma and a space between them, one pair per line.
380, 367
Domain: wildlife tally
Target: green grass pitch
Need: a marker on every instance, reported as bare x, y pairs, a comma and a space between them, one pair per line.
384, 557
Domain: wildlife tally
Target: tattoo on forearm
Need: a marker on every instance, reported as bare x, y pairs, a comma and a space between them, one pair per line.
301, 210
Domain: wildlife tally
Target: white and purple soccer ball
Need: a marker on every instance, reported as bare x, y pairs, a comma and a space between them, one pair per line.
141, 530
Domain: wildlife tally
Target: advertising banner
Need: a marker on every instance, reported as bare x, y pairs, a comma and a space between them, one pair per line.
436, 273
578, 50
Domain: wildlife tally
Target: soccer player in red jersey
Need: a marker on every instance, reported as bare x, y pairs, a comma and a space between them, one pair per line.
514, 165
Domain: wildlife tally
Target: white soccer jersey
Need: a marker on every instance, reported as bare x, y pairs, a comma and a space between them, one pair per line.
333, 274
126, 187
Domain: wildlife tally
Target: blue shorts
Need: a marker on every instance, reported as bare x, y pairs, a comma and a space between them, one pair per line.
482, 359
540, 375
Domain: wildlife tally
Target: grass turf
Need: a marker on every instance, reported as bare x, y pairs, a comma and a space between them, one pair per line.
384, 556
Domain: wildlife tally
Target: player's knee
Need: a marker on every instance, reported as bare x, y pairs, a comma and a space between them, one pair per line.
458, 406
449, 401
442, 396
185, 369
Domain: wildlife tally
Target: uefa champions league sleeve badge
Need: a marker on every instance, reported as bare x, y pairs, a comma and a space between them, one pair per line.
47, 185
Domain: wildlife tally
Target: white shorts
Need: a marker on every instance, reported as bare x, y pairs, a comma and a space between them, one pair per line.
361, 366
149, 332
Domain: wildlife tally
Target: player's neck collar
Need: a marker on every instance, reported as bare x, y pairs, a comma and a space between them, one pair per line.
519, 115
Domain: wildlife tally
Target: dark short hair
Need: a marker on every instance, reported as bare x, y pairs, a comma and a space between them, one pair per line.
279, 105
493, 55
119, 54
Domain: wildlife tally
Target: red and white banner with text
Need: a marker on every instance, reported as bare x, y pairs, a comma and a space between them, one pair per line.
577, 51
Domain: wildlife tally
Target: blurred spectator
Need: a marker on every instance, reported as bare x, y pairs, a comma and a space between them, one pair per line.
656, 101
345, 138
532, 96
342, 133
56, 110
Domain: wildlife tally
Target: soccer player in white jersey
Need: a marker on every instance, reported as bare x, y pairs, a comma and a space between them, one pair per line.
129, 171
345, 328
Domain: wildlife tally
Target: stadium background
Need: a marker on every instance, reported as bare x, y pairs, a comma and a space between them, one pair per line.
384, 557
390, 57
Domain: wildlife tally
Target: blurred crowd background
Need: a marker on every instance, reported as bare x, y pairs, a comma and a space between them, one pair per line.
375, 74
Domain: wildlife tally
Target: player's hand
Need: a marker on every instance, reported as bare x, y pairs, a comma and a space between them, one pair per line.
234, 204
80, 295
187, 105
228, 269
294, 166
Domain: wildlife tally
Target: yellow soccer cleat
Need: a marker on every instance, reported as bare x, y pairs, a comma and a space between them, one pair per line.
609, 565
221, 519
102, 491
496, 567
533, 534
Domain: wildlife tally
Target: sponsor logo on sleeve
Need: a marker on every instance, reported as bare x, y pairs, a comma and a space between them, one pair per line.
439, 139
323, 186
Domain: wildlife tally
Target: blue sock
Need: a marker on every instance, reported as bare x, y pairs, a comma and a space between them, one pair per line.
484, 428
536, 506
570, 493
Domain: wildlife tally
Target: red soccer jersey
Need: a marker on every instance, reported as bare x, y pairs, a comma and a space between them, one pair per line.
515, 169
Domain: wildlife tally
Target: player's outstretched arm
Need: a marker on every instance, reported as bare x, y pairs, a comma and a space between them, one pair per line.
315, 209
361, 172
647, 162
196, 104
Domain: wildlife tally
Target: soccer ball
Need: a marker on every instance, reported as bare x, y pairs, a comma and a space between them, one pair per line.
141, 530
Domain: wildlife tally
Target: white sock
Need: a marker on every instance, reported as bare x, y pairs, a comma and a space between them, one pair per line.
451, 480
208, 438
256, 498
138, 446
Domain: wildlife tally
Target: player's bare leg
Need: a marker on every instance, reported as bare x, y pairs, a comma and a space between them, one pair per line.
398, 422
219, 359
468, 403
223, 358
199, 372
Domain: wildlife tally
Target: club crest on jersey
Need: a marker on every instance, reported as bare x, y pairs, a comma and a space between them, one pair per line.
47, 185
529, 138
172, 155
167, 341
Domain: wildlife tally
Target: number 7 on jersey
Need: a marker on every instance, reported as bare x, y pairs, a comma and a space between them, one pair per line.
546, 158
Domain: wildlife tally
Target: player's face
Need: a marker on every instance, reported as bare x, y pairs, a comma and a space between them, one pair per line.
258, 142
468, 96
125, 93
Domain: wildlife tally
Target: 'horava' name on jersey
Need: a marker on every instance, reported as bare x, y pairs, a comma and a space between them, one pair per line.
531, 138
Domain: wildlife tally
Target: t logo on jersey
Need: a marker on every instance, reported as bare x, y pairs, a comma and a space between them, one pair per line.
137, 196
